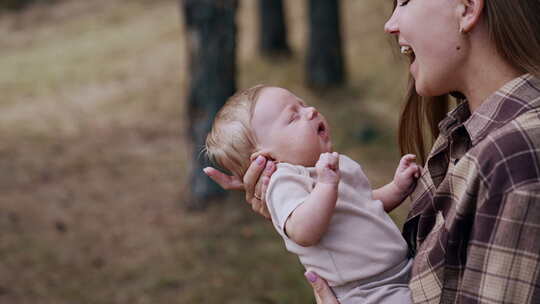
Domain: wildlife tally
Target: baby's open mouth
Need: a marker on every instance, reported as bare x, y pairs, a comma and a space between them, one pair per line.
408, 51
321, 129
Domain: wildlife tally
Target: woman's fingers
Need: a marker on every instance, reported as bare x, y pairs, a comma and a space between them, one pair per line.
323, 293
258, 201
227, 182
252, 176
259, 207
255, 182
264, 181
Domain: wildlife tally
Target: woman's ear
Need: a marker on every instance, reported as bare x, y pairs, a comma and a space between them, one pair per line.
469, 12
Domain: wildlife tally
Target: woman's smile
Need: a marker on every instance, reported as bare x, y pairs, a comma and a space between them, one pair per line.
408, 51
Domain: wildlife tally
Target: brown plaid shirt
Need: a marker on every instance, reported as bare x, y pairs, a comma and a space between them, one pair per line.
474, 227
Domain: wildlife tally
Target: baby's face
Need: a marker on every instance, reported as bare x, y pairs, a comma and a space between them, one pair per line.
288, 130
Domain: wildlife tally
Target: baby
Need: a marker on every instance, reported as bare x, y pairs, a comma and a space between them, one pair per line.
320, 202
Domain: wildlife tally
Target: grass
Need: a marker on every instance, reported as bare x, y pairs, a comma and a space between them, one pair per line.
93, 157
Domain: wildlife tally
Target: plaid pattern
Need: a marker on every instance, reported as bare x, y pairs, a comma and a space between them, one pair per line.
474, 227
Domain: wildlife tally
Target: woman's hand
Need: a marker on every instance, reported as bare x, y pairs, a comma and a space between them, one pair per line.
255, 182
226, 182
323, 293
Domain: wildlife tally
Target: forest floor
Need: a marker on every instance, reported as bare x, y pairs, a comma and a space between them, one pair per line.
93, 157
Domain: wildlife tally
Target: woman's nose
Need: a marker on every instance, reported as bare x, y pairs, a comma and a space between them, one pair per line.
391, 26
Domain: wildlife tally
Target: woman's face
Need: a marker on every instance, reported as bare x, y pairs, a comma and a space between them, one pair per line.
431, 29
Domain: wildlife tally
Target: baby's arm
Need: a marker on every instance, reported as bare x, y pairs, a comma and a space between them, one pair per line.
309, 221
393, 193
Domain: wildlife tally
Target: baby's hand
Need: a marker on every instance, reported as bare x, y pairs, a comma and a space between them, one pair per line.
406, 174
328, 168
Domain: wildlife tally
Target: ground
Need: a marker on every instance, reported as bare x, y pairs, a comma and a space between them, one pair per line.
93, 158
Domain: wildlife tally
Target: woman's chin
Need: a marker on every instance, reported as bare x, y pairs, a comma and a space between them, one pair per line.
420, 90
425, 91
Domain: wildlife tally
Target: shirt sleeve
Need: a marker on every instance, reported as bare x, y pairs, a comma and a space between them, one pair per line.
288, 188
503, 261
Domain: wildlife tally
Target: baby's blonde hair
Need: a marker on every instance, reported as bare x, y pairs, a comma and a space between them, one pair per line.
231, 142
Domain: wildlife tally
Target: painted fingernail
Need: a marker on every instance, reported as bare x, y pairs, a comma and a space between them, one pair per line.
260, 160
311, 276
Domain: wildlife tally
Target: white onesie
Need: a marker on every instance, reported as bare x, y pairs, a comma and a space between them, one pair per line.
362, 255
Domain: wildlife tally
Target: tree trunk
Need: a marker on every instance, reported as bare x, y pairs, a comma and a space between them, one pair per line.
273, 31
325, 54
211, 41
17, 4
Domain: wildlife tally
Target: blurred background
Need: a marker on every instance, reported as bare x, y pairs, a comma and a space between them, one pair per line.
104, 105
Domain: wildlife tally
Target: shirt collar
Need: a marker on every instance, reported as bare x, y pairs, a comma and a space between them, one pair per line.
454, 118
515, 97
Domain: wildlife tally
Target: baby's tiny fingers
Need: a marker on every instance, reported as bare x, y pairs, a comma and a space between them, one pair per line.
407, 159
323, 158
409, 156
419, 170
335, 160
411, 171
330, 160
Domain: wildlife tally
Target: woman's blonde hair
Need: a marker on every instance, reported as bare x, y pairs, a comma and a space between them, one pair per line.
514, 27
230, 143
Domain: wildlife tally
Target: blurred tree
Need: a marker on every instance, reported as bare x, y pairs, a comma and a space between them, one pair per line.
273, 30
18, 4
211, 43
324, 65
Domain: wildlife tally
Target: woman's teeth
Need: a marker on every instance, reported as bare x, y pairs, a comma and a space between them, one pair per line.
407, 50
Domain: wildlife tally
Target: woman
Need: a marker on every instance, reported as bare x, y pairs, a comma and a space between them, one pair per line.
474, 226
